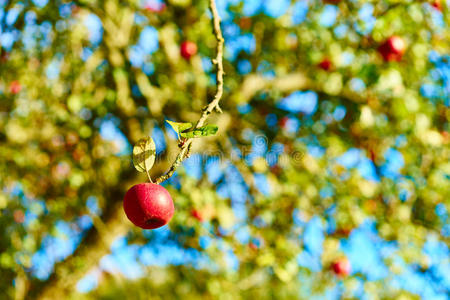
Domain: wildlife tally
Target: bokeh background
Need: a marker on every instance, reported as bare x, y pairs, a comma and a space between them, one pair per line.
326, 153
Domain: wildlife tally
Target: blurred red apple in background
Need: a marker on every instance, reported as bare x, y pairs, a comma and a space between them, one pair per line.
342, 267
437, 4
15, 87
188, 49
253, 246
154, 6
325, 64
283, 121
393, 48
196, 214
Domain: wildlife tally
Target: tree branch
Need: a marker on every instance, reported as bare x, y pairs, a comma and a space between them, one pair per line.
255, 83
94, 245
97, 240
214, 104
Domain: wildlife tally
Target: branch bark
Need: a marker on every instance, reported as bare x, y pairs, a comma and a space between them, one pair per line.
255, 83
214, 104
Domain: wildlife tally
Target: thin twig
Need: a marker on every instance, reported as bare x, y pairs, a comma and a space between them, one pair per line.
214, 104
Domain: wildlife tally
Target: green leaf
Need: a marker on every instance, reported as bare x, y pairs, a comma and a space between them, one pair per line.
179, 127
144, 153
206, 130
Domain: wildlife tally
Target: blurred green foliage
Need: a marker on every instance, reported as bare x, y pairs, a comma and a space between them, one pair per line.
61, 79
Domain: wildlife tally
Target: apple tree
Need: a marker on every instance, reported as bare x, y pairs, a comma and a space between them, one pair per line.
307, 157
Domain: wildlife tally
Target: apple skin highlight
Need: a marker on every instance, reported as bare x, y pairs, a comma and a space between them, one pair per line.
148, 205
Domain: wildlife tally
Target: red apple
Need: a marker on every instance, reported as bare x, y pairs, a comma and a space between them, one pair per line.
19, 216
344, 231
15, 87
245, 23
325, 64
437, 4
155, 7
148, 205
283, 121
393, 48
445, 136
188, 49
253, 246
196, 214
342, 267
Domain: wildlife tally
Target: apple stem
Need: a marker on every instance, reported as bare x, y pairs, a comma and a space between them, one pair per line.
147, 171
148, 175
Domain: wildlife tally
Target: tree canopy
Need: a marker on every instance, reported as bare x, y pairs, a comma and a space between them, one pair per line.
332, 147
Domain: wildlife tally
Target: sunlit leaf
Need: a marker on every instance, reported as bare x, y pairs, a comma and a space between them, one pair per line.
144, 153
179, 127
206, 130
